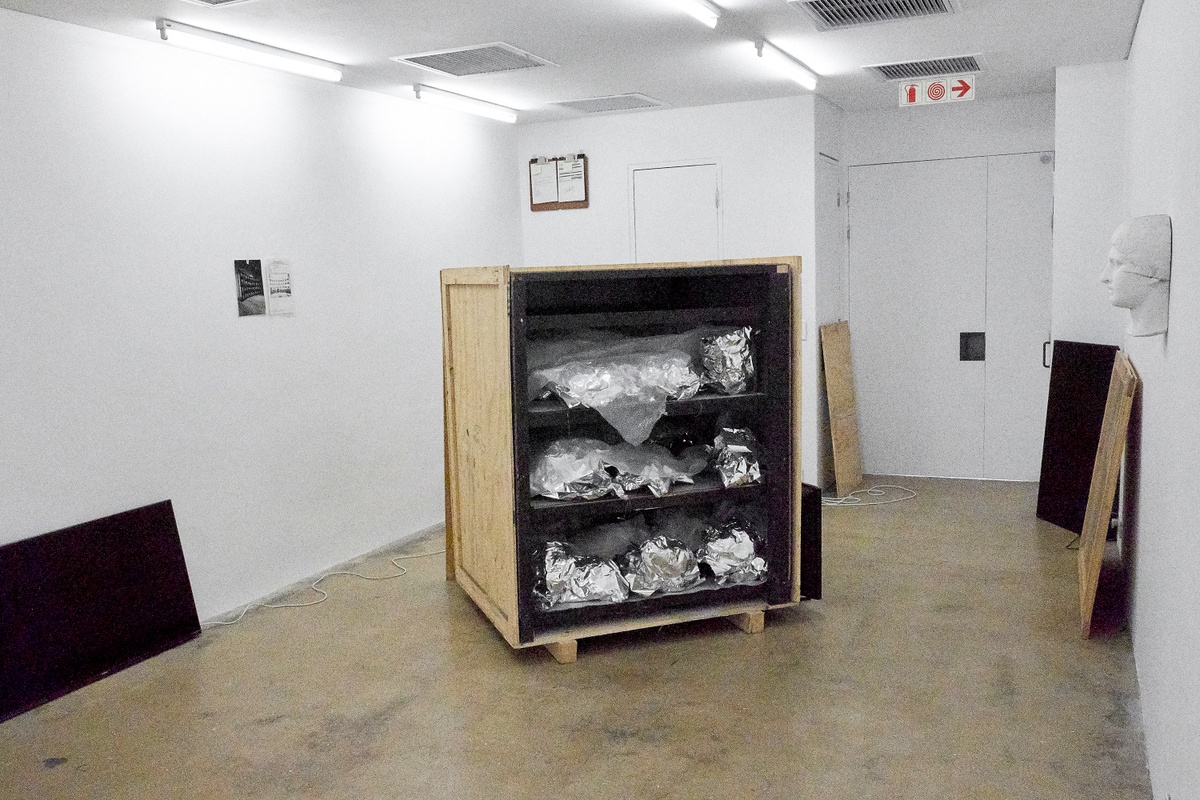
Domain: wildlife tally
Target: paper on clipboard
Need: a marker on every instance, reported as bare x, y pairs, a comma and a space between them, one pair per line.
571, 187
279, 287
543, 182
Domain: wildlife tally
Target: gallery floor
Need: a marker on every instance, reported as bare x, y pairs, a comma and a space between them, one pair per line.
944, 662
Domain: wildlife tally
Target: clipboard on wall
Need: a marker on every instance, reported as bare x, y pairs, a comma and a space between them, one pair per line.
558, 183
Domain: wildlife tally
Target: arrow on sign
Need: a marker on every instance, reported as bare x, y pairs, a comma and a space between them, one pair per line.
961, 88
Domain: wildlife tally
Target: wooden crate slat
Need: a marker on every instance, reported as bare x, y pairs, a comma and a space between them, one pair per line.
480, 534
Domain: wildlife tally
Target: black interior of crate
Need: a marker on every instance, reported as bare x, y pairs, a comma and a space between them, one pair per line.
652, 302
655, 291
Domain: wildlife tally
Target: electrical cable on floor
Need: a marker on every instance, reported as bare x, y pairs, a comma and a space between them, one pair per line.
1074, 543
872, 496
324, 594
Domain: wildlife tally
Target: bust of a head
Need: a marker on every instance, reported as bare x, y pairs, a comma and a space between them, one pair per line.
1138, 274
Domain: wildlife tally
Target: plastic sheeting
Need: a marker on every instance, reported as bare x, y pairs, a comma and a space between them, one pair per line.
629, 380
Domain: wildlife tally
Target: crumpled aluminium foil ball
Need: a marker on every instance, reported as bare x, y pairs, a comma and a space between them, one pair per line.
660, 565
572, 468
653, 466
569, 578
736, 457
728, 362
730, 553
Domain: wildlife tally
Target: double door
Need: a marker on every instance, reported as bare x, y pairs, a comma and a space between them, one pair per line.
949, 306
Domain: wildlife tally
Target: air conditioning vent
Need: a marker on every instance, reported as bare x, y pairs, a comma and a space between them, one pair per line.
218, 3
909, 70
483, 59
830, 15
615, 102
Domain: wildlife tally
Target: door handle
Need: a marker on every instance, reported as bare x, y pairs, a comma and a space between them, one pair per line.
1045, 344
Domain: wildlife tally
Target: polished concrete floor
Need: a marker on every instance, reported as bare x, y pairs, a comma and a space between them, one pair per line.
944, 661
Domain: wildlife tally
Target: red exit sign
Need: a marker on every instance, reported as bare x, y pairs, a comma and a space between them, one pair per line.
952, 89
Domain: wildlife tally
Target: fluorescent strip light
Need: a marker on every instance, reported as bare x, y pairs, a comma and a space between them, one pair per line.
458, 102
226, 46
786, 65
703, 10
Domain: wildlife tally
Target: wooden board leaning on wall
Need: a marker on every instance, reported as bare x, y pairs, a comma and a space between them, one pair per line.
843, 407
1121, 391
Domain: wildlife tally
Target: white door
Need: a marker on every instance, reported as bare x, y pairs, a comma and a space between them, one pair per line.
918, 244
940, 248
676, 214
1020, 205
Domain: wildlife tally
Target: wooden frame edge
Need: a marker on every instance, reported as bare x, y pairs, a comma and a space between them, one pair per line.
792, 262
797, 487
1123, 387
447, 278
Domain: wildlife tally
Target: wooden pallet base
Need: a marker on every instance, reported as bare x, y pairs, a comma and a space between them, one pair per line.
566, 651
563, 652
751, 622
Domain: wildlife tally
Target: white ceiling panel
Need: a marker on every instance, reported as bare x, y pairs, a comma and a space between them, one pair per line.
617, 47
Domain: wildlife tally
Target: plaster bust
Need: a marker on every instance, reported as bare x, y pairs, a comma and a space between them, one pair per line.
1138, 275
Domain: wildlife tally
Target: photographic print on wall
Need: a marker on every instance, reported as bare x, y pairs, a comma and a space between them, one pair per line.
264, 291
279, 286
251, 298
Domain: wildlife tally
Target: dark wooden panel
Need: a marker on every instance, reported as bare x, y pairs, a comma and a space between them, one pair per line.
554, 412
79, 603
1079, 379
526, 545
705, 490
775, 428
634, 291
810, 542
678, 319
592, 613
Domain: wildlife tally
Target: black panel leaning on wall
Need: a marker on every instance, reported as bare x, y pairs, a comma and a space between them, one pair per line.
1079, 378
86, 601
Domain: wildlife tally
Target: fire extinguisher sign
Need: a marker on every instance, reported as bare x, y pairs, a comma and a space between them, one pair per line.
951, 89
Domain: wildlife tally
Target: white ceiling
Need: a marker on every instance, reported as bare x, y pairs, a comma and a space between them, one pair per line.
606, 47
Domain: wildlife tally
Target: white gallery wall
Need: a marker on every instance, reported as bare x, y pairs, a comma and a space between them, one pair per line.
1127, 147
982, 127
1089, 199
765, 154
828, 280
132, 175
763, 149
1163, 177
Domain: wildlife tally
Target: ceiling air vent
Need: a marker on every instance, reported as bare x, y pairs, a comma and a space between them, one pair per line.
614, 102
829, 15
481, 59
218, 3
908, 70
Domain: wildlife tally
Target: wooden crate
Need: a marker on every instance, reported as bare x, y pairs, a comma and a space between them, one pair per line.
486, 314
